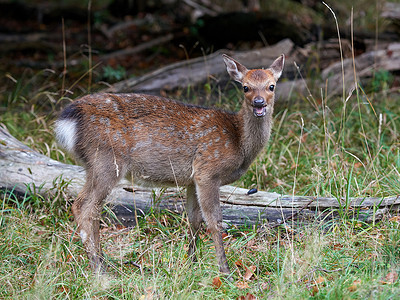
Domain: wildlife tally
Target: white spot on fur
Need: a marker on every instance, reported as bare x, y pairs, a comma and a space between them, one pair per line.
192, 174
116, 167
66, 133
83, 235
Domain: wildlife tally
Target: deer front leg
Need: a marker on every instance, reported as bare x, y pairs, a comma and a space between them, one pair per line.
195, 219
208, 197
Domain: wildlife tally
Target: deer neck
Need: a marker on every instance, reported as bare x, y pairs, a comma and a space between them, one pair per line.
255, 132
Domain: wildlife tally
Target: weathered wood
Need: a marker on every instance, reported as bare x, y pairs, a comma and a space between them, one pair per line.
364, 65
194, 71
20, 166
139, 48
234, 195
391, 10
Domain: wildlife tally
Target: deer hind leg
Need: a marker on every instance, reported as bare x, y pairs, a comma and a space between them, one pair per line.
195, 218
87, 209
208, 198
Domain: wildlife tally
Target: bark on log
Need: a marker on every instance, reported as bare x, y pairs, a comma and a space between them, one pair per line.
364, 65
391, 10
20, 166
196, 71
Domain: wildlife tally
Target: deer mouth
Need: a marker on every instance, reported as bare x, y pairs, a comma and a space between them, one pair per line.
259, 111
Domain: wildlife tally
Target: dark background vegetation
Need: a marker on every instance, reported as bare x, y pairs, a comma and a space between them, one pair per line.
54, 35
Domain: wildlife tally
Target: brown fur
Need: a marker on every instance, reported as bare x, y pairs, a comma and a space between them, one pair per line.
163, 142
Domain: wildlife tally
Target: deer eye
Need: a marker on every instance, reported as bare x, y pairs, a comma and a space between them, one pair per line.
271, 87
245, 89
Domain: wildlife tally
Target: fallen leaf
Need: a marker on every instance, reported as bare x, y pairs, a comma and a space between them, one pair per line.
320, 280
337, 246
304, 137
247, 297
242, 285
317, 282
278, 182
390, 278
265, 286
249, 272
250, 243
314, 290
119, 227
395, 219
157, 245
149, 295
217, 282
239, 263
238, 272
354, 286
65, 289
358, 165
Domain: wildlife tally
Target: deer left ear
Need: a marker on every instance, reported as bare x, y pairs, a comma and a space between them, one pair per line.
235, 69
277, 67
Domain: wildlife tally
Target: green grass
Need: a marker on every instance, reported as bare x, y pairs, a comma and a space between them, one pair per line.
317, 150
309, 153
326, 158
42, 258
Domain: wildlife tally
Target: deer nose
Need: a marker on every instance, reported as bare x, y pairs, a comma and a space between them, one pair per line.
258, 101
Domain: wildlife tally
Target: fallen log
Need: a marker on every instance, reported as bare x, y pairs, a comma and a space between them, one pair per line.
139, 48
118, 54
363, 66
391, 10
21, 167
194, 71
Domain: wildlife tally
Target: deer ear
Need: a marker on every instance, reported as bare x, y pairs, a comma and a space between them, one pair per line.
277, 67
235, 69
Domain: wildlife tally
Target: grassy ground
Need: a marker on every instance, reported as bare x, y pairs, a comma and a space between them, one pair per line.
42, 258
327, 147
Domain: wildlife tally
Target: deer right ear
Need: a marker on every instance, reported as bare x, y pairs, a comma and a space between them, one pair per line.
277, 66
235, 69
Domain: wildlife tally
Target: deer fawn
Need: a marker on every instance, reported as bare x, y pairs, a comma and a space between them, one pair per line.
164, 142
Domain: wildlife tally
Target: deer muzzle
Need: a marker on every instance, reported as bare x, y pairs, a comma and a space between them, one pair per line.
259, 104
